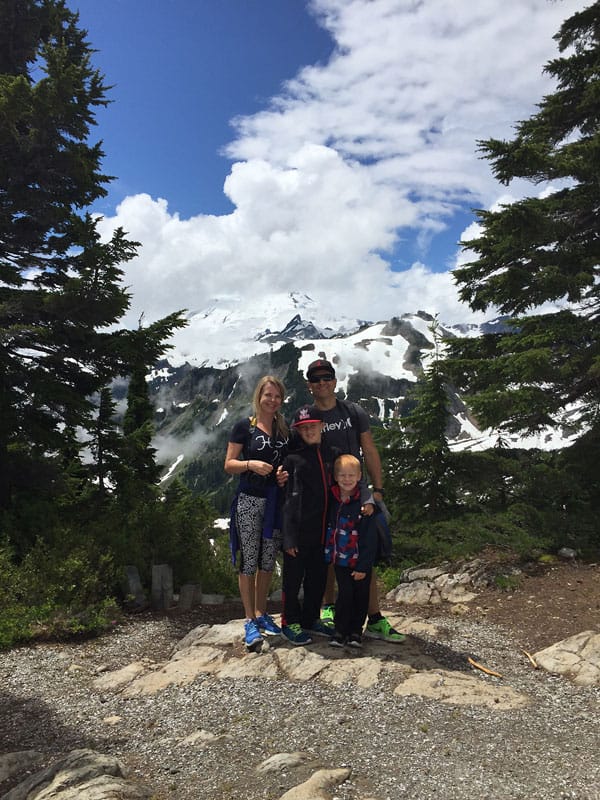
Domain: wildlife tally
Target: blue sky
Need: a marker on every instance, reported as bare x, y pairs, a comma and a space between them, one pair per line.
181, 71
269, 146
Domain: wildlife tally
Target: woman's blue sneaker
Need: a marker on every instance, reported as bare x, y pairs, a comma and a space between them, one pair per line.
267, 625
252, 637
294, 634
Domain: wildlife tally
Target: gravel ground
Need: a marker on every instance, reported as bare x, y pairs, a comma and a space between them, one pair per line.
397, 747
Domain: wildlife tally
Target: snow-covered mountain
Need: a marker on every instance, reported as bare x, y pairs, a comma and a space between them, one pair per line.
232, 328
207, 380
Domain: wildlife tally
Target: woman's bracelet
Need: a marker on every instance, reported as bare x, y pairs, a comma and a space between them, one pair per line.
248, 466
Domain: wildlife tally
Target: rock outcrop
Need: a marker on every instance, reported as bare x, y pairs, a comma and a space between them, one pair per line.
81, 775
447, 583
577, 658
406, 668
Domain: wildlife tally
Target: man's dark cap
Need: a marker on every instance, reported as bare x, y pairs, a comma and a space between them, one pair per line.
321, 367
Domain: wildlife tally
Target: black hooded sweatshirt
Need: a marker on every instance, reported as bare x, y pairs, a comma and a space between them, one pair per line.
305, 503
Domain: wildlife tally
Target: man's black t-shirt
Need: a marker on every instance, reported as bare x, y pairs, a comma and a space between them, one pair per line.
342, 427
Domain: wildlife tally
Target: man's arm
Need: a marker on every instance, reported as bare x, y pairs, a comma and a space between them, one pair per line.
367, 501
372, 460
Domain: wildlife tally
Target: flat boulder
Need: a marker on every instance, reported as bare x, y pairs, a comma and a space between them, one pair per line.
461, 689
577, 658
318, 786
80, 775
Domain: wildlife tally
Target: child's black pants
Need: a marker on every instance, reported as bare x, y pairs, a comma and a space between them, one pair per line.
352, 602
307, 567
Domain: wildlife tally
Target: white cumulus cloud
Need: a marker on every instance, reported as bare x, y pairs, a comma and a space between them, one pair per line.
355, 161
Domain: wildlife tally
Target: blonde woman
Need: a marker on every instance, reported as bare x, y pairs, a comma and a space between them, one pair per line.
256, 448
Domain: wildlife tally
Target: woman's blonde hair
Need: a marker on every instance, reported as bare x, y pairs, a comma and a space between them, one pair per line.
281, 427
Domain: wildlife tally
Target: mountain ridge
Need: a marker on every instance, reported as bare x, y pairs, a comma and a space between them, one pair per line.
377, 364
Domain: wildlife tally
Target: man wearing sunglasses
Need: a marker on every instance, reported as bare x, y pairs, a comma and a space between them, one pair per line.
346, 427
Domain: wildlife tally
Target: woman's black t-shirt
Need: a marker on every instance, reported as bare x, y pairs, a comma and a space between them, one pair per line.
256, 444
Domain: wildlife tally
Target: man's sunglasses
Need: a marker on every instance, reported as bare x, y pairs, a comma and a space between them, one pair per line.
320, 379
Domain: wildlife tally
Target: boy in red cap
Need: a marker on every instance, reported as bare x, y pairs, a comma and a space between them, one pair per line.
303, 528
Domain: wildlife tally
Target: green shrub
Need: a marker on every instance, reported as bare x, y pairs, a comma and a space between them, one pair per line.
55, 595
521, 529
218, 573
508, 583
389, 576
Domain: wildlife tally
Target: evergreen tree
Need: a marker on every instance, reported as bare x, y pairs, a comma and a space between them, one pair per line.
418, 463
69, 526
542, 249
106, 444
429, 473
138, 429
58, 283
60, 286
145, 348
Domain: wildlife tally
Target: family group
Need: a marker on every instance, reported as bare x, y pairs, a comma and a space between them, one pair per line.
302, 491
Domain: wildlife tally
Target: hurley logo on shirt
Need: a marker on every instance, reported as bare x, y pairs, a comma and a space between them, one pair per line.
340, 425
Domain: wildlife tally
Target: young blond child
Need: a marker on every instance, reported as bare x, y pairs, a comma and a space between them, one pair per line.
351, 546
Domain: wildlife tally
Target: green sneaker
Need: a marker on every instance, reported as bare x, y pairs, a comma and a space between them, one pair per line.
294, 634
382, 629
328, 614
